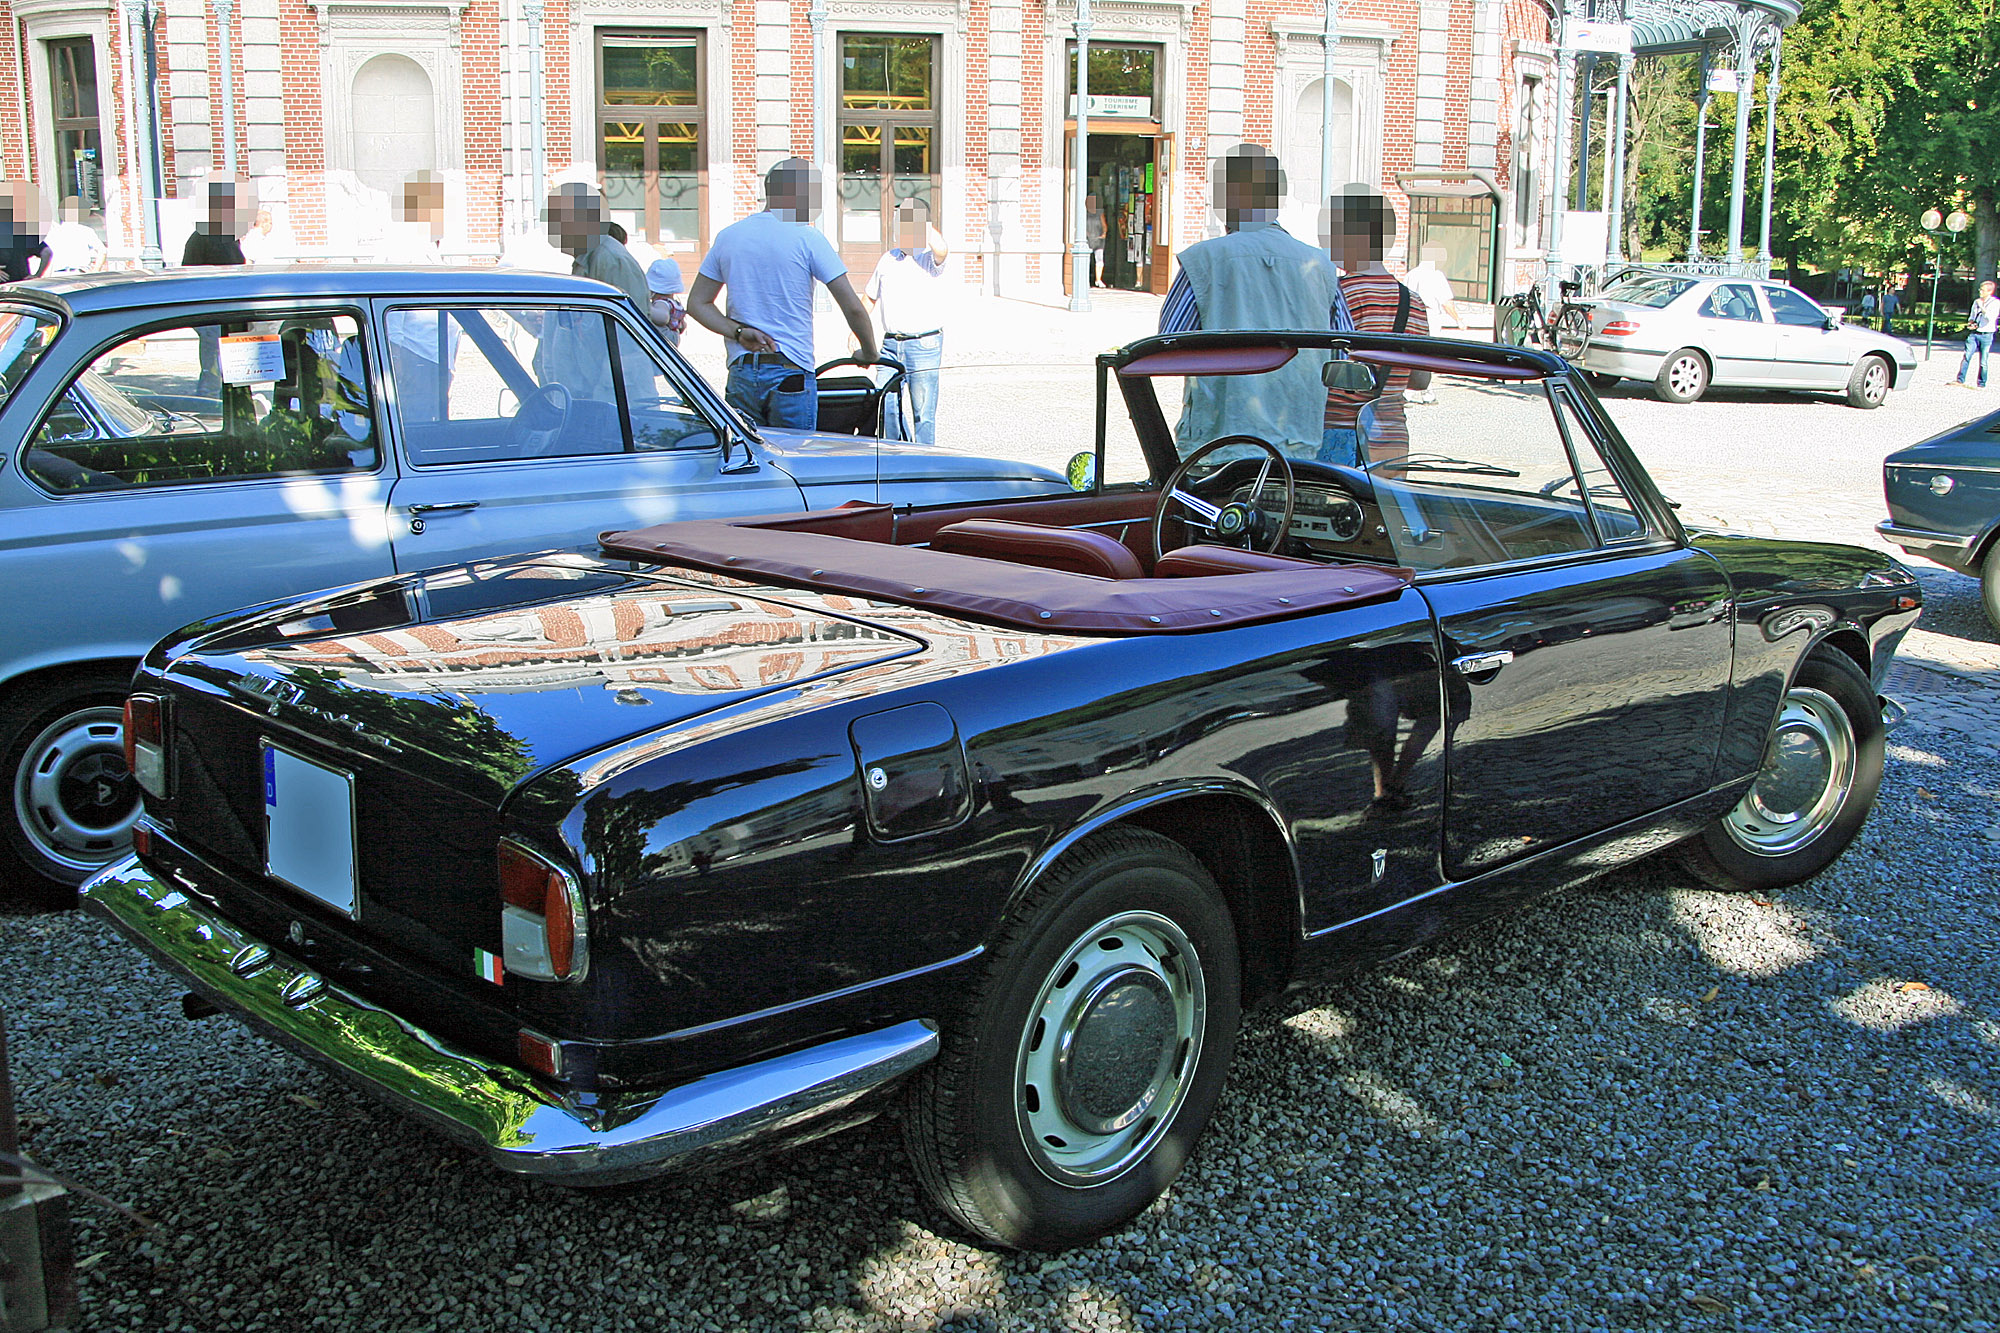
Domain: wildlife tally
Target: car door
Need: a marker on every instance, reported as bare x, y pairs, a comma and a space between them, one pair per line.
528, 426
190, 467
1739, 340
1810, 355
1586, 648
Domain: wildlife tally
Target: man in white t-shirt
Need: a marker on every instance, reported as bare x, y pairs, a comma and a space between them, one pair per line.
908, 293
769, 262
1429, 284
75, 247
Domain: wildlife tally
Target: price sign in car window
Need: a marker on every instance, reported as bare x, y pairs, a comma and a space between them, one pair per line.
252, 358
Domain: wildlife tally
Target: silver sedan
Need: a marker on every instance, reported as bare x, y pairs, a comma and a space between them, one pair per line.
1687, 334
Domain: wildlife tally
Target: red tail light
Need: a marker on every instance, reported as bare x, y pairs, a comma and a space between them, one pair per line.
146, 742
542, 929
1620, 328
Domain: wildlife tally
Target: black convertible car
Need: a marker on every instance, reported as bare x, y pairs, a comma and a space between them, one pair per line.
608, 865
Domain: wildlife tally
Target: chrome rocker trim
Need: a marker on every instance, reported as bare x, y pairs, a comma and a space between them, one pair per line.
1917, 539
520, 1125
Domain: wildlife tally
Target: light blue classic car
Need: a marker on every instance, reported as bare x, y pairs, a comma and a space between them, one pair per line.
181, 445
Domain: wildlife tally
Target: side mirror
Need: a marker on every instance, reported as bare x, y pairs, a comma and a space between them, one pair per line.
1349, 377
1832, 323
1082, 472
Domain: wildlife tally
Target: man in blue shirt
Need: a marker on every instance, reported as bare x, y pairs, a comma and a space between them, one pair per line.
769, 262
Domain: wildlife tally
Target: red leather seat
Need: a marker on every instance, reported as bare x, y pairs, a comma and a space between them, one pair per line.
1072, 550
1196, 561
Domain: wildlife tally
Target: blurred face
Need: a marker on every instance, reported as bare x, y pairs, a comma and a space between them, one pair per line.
20, 208
1986, 288
423, 202
1359, 228
911, 224
792, 188
575, 218
1247, 184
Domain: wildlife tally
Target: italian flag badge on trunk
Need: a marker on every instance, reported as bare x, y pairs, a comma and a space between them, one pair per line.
487, 965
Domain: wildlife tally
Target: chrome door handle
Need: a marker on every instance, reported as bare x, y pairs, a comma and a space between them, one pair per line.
459, 507
1475, 664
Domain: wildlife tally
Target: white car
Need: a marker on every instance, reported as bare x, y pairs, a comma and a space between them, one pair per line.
1687, 335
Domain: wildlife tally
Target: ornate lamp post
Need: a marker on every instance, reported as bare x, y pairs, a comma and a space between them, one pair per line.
1932, 220
1079, 242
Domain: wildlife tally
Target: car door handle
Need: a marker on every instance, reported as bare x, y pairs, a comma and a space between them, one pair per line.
1476, 664
457, 508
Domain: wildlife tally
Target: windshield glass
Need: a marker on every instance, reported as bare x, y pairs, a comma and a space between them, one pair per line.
1651, 289
1465, 470
24, 336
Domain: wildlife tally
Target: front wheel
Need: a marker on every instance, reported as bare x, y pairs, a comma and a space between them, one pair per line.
62, 750
1868, 386
1510, 321
1822, 767
1989, 584
1075, 1077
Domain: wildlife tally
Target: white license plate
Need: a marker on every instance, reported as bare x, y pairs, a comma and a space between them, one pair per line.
309, 827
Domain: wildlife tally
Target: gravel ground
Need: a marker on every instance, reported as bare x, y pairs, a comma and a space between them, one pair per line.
1637, 1105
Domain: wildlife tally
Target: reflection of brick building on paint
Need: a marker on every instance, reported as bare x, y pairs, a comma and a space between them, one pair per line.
678, 105
687, 640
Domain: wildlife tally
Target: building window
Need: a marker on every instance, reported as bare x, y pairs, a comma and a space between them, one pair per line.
1124, 81
650, 112
73, 80
888, 136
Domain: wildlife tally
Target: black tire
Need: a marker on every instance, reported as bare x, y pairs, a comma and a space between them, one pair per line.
1868, 385
1600, 381
70, 801
1031, 1142
1989, 585
1683, 377
1822, 768
1572, 333
1510, 321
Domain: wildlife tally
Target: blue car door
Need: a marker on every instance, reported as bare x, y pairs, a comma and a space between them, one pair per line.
529, 426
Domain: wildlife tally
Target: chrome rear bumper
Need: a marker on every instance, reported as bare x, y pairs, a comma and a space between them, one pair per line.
521, 1125
1917, 541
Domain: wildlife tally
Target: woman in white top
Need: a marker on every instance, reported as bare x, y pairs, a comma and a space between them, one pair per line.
1980, 323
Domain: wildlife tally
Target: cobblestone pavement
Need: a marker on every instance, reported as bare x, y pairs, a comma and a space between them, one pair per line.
1642, 1105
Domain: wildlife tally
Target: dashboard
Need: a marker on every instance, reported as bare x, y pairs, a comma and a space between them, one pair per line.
1326, 520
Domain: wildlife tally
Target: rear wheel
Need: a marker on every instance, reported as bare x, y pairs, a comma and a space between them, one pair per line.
1868, 386
1572, 333
1075, 1077
62, 751
1683, 377
1822, 767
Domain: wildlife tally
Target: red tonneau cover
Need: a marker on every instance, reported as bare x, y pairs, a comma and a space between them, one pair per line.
998, 592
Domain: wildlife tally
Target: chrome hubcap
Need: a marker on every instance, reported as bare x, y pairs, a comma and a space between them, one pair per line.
1109, 1048
1809, 766
72, 794
1685, 377
1875, 382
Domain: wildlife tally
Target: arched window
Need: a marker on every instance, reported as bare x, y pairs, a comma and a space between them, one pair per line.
1301, 152
394, 122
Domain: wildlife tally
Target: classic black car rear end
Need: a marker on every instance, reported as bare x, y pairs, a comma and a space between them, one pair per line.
607, 866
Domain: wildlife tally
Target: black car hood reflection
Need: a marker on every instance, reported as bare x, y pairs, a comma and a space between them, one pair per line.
533, 664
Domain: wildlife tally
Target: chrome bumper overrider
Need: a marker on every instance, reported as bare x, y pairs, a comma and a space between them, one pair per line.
1919, 540
522, 1126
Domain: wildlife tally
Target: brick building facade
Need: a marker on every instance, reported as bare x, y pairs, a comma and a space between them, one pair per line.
677, 106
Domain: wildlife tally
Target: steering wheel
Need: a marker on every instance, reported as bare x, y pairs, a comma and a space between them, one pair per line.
1239, 522
543, 415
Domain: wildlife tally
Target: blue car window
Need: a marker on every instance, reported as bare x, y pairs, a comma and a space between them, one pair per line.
661, 415
491, 384
213, 402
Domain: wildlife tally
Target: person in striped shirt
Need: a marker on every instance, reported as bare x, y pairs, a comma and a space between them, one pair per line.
1359, 227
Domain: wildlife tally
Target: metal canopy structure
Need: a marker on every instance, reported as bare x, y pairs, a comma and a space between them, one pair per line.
1730, 37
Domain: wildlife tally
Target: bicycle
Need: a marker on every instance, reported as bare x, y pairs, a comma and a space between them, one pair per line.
1521, 318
